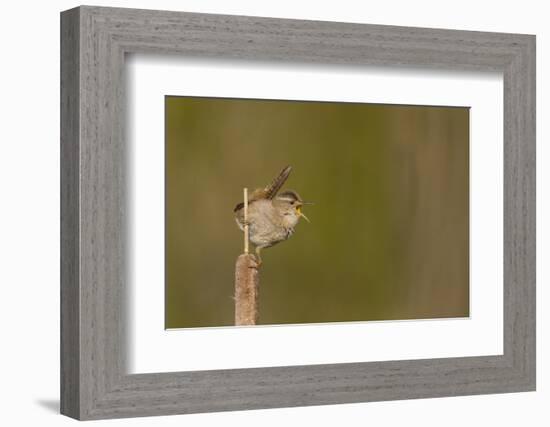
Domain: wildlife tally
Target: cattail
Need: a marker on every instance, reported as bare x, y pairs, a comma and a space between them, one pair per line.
246, 280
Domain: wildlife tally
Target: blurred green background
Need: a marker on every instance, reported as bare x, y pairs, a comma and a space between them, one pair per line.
389, 232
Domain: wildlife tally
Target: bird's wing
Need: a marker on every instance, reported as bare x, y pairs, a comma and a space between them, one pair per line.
238, 207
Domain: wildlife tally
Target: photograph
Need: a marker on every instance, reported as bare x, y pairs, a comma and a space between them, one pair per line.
277, 214
355, 211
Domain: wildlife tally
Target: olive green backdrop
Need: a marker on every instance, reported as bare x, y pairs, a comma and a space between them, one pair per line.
389, 232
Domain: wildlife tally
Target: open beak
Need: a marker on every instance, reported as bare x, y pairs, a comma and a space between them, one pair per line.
299, 210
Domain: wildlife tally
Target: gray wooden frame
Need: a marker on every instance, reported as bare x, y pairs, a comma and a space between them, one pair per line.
94, 382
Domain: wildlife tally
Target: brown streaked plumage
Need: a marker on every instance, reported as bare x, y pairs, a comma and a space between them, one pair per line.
272, 216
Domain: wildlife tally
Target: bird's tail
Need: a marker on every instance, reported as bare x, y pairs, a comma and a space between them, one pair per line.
272, 189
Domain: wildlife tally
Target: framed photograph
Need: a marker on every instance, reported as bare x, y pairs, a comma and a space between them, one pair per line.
261, 213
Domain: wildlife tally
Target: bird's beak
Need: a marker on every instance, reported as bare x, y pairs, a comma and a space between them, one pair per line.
305, 217
300, 213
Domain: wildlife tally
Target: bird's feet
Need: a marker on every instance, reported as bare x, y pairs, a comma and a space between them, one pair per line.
255, 262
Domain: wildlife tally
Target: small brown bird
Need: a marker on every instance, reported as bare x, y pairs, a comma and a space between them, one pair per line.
271, 216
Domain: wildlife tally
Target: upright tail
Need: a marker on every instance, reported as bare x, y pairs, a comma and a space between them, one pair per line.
272, 189
268, 192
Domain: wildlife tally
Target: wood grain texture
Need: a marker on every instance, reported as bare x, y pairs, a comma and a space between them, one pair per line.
70, 221
95, 277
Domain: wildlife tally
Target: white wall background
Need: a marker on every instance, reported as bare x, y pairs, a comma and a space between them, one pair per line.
29, 213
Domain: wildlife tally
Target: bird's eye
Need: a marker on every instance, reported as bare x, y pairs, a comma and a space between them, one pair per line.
292, 202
